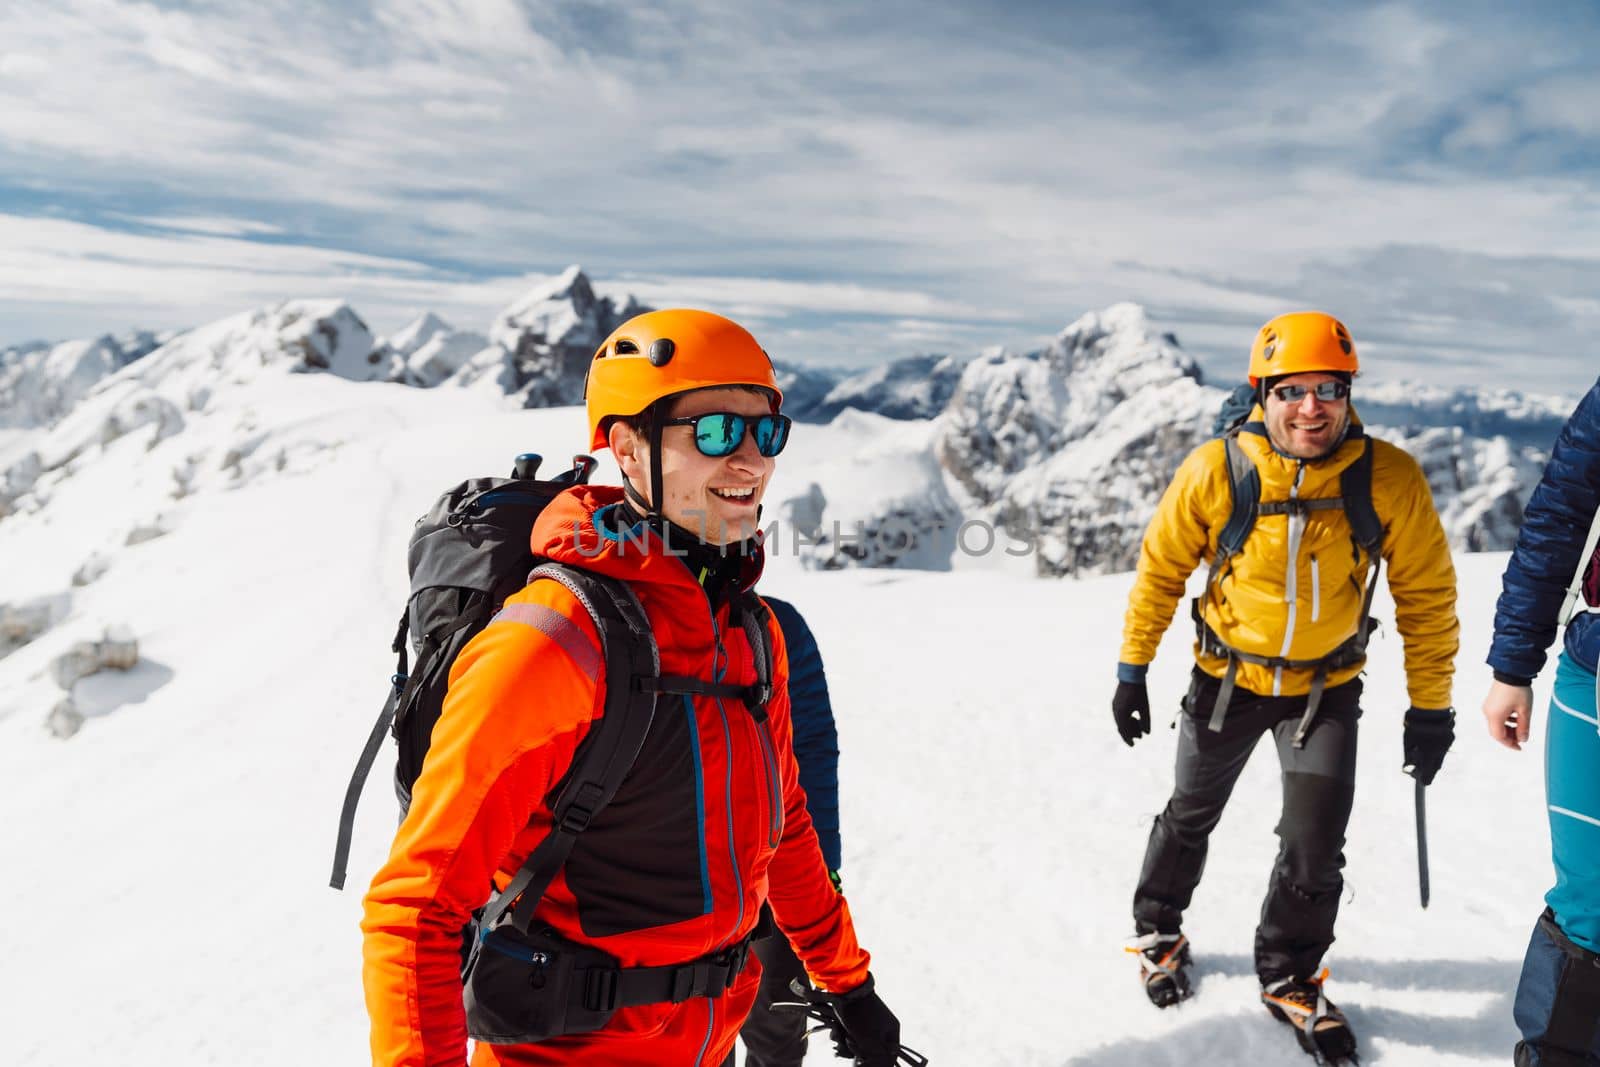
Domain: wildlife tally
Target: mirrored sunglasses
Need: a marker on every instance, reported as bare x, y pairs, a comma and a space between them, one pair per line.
719, 433
1327, 392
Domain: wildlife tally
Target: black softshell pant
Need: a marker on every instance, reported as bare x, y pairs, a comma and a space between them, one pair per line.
1318, 789
774, 1039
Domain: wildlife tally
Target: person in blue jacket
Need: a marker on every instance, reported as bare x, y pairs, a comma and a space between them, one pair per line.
771, 1038
1557, 1005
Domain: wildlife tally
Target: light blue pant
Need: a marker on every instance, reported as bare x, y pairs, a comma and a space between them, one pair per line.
1557, 1005
1572, 786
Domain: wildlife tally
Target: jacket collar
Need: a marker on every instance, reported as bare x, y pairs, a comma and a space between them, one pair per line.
580, 528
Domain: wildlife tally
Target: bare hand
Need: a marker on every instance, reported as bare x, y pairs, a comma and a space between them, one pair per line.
1508, 710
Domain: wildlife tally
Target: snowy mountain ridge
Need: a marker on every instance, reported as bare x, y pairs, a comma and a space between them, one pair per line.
40, 382
1067, 447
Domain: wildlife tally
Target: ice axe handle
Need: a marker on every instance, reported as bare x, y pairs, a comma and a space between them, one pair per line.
1422, 842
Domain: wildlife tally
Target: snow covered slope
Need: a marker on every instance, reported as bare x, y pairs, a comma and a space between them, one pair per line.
166, 866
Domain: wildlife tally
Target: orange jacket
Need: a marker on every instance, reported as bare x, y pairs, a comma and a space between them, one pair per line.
675, 868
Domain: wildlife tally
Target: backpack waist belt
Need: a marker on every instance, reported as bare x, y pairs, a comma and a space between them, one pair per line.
608, 988
1348, 654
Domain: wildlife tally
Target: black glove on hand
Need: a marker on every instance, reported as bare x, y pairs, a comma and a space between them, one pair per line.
1429, 732
861, 1025
1131, 708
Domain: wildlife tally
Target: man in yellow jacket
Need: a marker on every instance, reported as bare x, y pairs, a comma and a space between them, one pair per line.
1281, 641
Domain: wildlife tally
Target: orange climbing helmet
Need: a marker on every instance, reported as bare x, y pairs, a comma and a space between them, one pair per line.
1302, 341
662, 353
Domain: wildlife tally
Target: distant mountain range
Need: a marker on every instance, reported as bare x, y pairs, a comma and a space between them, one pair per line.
1069, 446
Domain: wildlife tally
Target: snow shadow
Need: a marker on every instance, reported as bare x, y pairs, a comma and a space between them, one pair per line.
98, 695
1244, 1037
1455, 976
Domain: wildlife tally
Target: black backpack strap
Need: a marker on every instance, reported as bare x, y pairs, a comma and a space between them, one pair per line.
1355, 486
1366, 529
402, 692
752, 615
1244, 490
369, 755
607, 753
1244, 484
1301, 507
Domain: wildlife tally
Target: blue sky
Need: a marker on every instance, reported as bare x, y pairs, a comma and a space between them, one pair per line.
856, 182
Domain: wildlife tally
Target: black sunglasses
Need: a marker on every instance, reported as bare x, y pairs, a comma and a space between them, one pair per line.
1327, 392
719, 433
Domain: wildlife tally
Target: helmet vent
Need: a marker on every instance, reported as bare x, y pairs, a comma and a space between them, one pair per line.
624, 347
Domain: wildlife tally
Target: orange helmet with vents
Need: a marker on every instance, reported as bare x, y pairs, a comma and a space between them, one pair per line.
662, 353
1299, 342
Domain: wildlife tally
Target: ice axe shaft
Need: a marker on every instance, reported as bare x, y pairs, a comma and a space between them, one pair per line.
1422, 842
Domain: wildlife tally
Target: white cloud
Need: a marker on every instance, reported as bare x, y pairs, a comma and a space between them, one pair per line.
934, 163
216, 226
21, 65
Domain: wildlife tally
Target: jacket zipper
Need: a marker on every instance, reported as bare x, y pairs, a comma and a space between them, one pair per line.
1316, 591
770, 755
711, 1020
718, 669
1291, 582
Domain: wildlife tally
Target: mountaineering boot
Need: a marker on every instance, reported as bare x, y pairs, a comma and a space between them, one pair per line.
1323, 1031
1164, 966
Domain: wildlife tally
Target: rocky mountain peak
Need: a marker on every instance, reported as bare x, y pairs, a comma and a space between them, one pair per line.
552, 312
1115, 352
418, 332
1010, 411
541, 344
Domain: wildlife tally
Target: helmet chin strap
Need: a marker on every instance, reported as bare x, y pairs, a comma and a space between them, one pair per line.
652, 515
649, 510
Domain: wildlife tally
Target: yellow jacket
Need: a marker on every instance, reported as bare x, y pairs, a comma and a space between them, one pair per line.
1266, 604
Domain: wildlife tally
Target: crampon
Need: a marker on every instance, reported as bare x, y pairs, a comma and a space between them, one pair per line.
1321, 1028
1164, 966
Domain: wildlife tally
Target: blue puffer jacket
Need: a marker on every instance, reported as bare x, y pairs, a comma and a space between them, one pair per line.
1546, 557
816, 741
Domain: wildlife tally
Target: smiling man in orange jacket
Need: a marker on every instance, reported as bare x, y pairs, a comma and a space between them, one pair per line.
710, 822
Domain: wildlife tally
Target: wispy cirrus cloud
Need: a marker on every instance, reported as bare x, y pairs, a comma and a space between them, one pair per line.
1425, 170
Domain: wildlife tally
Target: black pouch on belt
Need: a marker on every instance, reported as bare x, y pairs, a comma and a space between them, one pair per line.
526, 987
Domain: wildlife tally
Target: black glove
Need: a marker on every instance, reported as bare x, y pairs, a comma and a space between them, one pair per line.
1131, 708
862, 1027
1429, 732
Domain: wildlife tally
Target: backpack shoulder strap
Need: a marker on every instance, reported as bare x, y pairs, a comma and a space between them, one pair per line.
754, 615
1244, 484
612, 745
1355, 487
1366, 529
1587, 563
